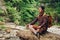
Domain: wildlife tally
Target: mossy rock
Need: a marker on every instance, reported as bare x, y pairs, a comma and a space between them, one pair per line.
2, 23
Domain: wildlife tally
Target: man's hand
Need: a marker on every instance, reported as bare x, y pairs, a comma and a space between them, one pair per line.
27, 25
39, 27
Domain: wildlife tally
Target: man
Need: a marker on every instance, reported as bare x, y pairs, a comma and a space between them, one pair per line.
42, 20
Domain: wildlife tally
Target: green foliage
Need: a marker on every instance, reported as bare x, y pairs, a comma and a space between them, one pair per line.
2, 27
23, 12
1, 12
2, 19
58, 18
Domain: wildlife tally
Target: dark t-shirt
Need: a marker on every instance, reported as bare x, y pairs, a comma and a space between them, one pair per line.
42, 20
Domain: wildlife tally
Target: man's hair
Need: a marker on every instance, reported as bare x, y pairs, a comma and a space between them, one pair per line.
42, 7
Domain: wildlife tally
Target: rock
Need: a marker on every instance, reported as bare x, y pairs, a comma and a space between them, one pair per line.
13, 38
54, 29
1, 35
13, 33
2, 38
8, 30
7, 36
2, 23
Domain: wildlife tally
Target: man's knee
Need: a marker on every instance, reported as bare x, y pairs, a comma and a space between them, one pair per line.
30, 26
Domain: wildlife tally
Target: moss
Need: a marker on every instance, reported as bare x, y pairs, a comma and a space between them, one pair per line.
2, 27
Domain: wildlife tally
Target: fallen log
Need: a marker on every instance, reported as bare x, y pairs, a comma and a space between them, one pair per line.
28, 35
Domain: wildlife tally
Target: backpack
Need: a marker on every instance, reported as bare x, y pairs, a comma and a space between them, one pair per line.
49, 21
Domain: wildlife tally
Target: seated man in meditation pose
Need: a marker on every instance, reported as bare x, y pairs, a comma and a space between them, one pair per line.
42, 20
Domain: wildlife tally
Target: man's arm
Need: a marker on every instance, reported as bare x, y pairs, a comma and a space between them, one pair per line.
34, 21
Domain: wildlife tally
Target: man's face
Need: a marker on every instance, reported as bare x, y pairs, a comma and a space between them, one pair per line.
40, 10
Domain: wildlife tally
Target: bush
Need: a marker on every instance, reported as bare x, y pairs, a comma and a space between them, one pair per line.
1, 12
2, 19
21, 12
